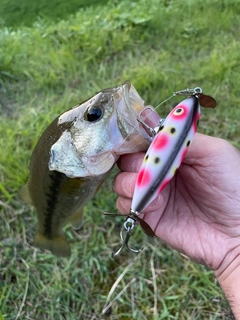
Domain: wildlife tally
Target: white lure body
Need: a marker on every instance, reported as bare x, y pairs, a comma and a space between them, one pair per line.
166, 153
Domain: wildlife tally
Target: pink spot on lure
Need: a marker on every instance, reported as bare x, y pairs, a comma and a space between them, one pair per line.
143, 178
166, 152
160, 142
163, 185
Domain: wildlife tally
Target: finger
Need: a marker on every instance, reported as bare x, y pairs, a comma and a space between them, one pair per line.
131, 162
150, 116
124, 183
123, 205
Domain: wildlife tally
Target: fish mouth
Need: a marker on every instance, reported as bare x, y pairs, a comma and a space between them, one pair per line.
134, 105
133, 100
129, 105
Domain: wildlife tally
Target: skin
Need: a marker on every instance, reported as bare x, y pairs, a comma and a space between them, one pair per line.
203, 198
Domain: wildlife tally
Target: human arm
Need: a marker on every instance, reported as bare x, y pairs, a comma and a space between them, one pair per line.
204, 199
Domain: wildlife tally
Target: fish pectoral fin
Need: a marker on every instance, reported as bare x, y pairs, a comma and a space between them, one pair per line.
58, 245
25, 195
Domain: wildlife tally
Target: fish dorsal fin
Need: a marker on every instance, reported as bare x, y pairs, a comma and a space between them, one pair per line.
25, 195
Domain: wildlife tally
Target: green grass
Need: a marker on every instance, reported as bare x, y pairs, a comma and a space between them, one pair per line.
161, 46
24, 13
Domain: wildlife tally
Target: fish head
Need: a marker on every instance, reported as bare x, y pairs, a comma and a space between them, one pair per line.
96, 132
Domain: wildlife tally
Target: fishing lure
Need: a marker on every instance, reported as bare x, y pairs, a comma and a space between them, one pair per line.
171, 141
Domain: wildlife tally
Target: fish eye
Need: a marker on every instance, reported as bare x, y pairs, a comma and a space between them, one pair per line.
93, 114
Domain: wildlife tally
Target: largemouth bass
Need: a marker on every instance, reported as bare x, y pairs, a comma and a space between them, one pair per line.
75, 154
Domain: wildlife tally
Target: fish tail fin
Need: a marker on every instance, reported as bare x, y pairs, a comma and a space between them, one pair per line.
58, 245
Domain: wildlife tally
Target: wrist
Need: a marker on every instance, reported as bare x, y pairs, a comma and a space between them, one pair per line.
228, 275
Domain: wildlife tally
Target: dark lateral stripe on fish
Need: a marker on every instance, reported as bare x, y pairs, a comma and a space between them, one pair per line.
52, 200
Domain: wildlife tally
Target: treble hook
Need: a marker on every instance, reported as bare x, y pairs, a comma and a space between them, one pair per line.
128, 225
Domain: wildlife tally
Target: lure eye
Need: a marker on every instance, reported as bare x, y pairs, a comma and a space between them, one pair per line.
93, 114
178, 112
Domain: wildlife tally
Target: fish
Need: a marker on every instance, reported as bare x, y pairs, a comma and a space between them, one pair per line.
73, 157
167, 150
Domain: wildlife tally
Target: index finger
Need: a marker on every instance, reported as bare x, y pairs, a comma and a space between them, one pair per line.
150, 116
131, 162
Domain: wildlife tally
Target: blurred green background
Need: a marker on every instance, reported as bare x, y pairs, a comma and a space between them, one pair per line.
54, 55
24, 13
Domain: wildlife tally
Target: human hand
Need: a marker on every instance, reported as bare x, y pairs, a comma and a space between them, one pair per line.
198, 213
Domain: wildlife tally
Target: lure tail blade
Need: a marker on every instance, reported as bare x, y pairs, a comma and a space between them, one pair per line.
207, 101
146, 228
166, 152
